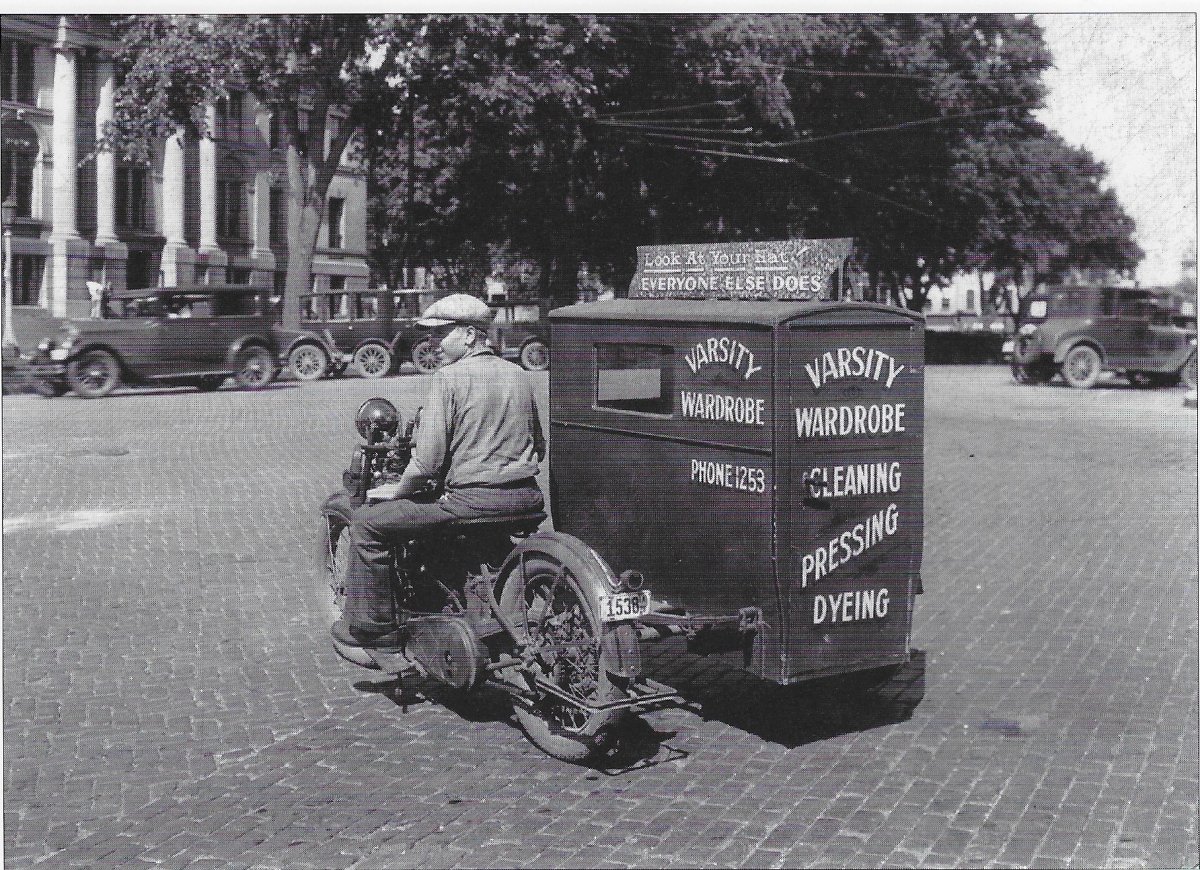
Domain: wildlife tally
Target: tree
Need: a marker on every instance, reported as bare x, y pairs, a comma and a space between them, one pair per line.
1045, 207
312, 71
560, 138
488, 151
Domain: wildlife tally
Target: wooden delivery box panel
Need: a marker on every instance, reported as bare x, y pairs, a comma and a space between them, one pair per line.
760, 454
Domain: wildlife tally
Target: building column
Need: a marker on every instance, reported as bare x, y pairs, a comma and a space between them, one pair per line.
106, 161
260, 228
211, 257
115, 253
68, 252
178, 260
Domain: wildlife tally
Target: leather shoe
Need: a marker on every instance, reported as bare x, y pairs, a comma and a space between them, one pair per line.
390, 640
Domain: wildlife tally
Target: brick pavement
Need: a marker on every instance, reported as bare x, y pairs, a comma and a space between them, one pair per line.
171, 700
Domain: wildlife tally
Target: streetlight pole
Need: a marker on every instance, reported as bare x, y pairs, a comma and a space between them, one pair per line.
8, 211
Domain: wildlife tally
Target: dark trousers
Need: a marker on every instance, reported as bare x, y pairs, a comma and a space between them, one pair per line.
376, 527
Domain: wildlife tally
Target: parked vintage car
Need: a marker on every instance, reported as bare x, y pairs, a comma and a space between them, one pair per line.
193, 335
373, 330
520, 332
1082, 331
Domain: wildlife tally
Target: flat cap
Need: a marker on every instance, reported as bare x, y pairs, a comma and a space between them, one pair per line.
457, 308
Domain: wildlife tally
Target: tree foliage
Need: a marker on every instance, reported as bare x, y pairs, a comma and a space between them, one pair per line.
539, 141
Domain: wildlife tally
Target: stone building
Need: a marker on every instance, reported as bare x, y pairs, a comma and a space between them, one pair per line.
209, 210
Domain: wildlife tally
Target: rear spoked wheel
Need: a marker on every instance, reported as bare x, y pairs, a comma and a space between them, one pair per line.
549, 597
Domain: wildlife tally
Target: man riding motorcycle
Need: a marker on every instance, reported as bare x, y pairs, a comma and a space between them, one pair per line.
475, 454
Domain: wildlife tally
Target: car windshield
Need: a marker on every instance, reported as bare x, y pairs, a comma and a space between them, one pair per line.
517, 314
139, 306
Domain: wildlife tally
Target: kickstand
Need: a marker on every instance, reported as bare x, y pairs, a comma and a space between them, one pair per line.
395, 693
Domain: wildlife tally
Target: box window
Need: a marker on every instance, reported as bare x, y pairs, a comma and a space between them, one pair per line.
635, 377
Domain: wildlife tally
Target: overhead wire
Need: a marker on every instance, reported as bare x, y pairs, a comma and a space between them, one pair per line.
900, 126
842, 182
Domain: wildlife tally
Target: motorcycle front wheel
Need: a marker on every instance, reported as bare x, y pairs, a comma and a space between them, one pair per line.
549, 597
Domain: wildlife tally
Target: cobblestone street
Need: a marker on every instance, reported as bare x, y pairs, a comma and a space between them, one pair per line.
171, 697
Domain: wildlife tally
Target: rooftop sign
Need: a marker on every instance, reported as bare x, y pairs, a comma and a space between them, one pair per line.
799, 269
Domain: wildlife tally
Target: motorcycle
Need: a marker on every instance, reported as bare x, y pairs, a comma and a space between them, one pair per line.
494, 601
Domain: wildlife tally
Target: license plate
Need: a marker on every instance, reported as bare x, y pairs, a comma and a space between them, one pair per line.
624, 605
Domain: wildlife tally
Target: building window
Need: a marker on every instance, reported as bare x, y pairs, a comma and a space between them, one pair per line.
18, 180
275, 131
337, 282
131, 198
278, 207
237, 275
337, 213
18, 72
27, 279
229, 209
229, 117
945, 302
279, 283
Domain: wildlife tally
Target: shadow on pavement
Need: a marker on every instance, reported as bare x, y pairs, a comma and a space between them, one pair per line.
791, 715
788, 715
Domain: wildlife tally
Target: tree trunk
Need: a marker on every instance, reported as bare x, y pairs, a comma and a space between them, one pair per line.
310, 170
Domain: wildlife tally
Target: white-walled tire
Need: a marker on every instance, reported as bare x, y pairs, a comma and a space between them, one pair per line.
307, 362
373, 361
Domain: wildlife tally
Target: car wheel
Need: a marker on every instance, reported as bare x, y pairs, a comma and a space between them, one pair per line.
1081, 367
373, 360
535, 356
1188, 373
425, 356
308, 362
255, 368
94, 375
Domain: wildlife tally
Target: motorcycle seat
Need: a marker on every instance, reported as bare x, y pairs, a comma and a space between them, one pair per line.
523, 521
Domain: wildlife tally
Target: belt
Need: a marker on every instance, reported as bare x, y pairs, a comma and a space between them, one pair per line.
523, 483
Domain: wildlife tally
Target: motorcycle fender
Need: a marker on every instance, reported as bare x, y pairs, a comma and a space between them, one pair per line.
622, 653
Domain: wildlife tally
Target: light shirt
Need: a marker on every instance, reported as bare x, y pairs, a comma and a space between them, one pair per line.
479, 425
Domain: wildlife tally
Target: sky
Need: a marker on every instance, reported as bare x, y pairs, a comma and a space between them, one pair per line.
1124, 87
